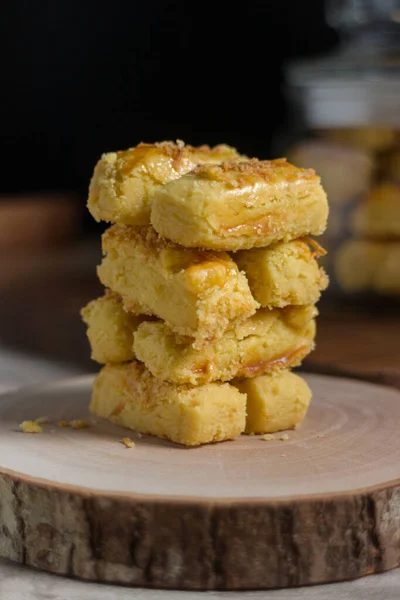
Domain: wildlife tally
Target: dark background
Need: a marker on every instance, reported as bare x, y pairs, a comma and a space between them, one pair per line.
81, 78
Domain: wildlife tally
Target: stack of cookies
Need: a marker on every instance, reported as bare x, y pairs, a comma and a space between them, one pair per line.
211, 284
370, 262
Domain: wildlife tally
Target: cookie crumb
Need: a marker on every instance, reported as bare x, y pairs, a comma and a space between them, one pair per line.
128, 442
140, 435
63, 423
268, 437
42, 420
78, 424
283, 455
284, 437
30, 427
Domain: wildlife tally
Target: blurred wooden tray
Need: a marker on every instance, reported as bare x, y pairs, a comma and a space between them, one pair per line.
38, 220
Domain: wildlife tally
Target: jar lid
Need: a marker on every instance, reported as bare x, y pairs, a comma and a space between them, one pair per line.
358, 85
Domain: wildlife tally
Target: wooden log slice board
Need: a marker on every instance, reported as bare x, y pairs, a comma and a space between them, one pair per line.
322, 506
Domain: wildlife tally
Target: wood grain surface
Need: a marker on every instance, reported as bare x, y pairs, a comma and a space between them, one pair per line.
321, 506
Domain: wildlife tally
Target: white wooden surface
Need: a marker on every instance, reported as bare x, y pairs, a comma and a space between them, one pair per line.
18, 583
347, 442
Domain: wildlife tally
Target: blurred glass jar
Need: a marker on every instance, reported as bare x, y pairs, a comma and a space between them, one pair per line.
345, 123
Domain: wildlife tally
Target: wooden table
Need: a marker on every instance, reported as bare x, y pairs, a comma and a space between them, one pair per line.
358, 343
